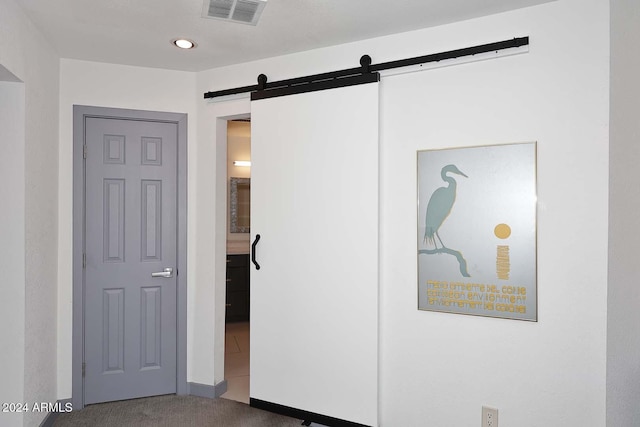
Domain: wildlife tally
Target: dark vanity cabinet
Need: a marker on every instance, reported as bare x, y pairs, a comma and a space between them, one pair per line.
237, 288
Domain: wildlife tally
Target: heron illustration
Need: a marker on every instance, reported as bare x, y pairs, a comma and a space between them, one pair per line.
440, 205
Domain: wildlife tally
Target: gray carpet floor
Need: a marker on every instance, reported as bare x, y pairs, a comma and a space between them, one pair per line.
171, 411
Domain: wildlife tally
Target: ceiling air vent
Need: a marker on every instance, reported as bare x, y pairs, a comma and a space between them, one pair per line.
242, 11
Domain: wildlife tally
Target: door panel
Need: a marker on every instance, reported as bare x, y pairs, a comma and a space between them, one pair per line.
131, 229
314, 301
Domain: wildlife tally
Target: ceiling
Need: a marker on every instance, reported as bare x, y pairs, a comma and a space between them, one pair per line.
139, 32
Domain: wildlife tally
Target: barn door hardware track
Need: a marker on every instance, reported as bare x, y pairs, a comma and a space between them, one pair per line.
365, 73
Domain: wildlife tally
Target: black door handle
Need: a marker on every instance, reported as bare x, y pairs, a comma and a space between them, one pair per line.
253, 252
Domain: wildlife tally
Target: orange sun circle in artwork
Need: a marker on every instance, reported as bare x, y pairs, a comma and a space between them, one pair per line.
502, 231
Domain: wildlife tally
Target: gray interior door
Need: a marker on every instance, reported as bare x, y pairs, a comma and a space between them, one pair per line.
131, 228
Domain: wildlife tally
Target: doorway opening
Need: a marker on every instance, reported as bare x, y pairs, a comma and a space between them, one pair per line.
237, 325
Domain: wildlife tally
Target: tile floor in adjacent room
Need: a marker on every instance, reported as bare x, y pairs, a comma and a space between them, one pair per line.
236, 361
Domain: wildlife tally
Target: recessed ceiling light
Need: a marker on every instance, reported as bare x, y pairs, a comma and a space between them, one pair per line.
184, 43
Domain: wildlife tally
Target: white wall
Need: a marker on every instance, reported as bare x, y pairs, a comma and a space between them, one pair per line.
443, 368
436, 368
623, 349
117, 86
12, 248
27, 54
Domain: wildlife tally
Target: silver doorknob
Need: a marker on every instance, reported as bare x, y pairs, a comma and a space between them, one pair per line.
167, 272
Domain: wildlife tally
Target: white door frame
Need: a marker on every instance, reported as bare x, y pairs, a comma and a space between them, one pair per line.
217, 114
80, 114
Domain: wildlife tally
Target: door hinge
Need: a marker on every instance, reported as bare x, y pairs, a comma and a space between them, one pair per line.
84, 369
84, 260
84, 151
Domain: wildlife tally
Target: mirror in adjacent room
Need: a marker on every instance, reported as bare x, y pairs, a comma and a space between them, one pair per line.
240, 206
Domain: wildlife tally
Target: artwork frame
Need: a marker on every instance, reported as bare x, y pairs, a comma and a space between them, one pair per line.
477, 230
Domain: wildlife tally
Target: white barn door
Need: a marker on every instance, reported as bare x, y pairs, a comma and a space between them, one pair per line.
314, 300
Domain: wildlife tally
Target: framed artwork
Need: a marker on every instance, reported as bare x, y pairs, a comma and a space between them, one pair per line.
477, 231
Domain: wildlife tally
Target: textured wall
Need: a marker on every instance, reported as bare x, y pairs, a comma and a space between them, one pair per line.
12, 260
623, 349
26, 53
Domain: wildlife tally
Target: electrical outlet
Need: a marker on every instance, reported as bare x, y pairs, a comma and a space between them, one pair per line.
489, 417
